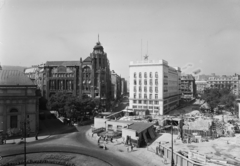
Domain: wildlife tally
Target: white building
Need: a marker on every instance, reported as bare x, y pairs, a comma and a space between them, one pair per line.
154, 86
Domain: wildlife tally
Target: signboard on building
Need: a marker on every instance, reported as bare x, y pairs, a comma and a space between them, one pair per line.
62, 69
195, 156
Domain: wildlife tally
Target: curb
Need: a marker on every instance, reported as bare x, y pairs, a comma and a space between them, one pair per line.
50, 151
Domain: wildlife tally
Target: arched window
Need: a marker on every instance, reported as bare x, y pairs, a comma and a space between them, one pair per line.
13, 110
156, 74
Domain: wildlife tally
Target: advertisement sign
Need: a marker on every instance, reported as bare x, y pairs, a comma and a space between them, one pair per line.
195, 156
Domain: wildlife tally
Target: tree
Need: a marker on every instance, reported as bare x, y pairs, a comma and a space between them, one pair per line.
228, 100
58, 101
211, 97
215, 96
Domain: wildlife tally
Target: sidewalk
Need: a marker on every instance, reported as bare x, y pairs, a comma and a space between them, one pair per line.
28, 139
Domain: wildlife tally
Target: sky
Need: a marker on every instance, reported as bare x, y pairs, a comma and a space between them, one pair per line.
201, 35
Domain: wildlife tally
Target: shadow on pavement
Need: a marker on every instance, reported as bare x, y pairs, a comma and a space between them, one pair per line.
54, 126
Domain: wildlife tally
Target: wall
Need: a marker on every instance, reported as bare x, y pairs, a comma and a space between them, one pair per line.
99, 122
128, 132
179, 160
117, 123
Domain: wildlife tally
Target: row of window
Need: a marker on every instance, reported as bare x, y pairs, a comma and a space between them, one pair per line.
145, 102
145, 75
146, 107
145, 89
145, 96
60, 85
145, 82
62, 75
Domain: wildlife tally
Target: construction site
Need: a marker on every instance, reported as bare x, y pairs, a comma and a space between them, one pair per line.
199, 138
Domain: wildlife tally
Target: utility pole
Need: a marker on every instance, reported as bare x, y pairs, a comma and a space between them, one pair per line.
172, 161
25, 148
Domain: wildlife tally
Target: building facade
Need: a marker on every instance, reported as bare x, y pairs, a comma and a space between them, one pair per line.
231, 82
89, 77
18, 102
124, 86
96, 75
201, 86
188, 86
154, 85
116, 85
61, 76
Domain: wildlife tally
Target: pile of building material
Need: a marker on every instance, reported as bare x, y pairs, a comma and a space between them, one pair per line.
198, 124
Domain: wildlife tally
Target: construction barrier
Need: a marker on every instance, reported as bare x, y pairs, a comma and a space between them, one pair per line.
179, 160
202, 133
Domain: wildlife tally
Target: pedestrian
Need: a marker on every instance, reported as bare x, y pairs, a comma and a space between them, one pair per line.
131, 147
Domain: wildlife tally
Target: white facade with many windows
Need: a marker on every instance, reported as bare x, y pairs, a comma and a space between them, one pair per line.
154, 86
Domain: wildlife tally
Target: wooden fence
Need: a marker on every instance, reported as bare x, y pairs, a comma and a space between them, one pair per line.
179, 160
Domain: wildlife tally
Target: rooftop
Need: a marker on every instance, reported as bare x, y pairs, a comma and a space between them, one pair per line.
62, 63
140, 126
14, 77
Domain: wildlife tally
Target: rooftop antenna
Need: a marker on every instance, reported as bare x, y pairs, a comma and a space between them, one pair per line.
98, 38
141, 49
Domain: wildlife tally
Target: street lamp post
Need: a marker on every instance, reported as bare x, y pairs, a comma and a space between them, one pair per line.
172, 161
25, 146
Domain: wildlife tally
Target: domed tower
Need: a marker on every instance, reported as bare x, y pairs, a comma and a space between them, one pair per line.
100, 74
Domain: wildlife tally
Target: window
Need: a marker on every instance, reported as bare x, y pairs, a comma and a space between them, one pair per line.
145, 89
110, 127
156, 89
150, 82
140, 101
145, 96
140, 89
150, 89
156, 96
134, 101
150, 74
145, 74
150, 96
135, 82
134, 106
14, 110
140, 82
140, 96
145, 81
119, 128
145, 101
135, 75
156, 74
156, 102
134, 89
13, 121
134, 95
156, 81
140, 75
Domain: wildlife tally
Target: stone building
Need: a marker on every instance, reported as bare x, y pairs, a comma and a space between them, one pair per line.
231, 81
188, 86
90, 77
18, 101
154, 85
116, 85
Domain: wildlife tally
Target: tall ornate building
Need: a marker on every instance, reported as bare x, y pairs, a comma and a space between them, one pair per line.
96, 76
90, 76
